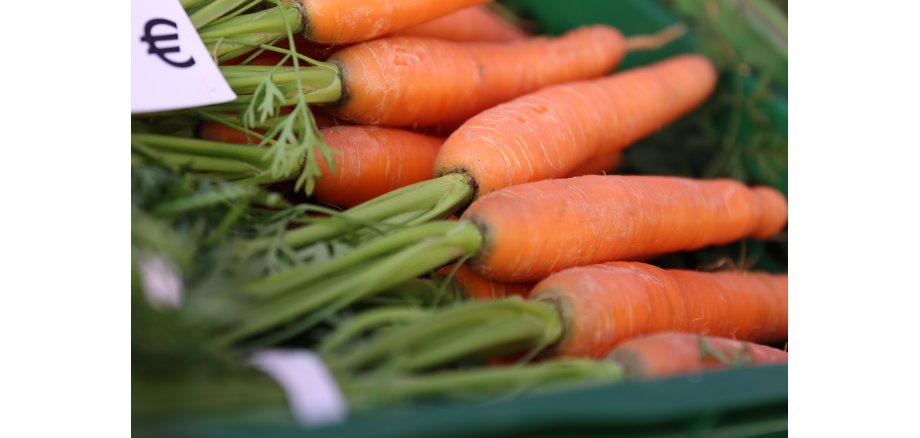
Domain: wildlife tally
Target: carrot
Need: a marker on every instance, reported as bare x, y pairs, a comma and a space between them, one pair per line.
372, 160
472, 285
348, 21
673, 353
413, 81
587, 312
532, 230
608, 303
475, 23
549, 133
404, 81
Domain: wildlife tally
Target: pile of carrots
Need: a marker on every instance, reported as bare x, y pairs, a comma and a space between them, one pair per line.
466, 206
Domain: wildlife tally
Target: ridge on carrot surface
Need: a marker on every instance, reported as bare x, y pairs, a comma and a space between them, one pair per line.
531, 230
549, 133
678, 353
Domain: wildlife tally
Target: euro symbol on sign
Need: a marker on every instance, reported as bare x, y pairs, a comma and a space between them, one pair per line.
152, 40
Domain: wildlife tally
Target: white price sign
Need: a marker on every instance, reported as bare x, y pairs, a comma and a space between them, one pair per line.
170, 66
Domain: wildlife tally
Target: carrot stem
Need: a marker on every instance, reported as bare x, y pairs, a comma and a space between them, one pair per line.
235, 36
417, 292
291, 279
268, 21
321, 84
366, 321
208, 164
410, 205
212, 11
478, 382
191, 4
207, 148
315, 302
469, 328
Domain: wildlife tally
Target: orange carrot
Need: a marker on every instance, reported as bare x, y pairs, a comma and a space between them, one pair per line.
348, 21
475, 23
531, 230
472, 285
372, 160
673, 353
549, 133
407, 81
603, 305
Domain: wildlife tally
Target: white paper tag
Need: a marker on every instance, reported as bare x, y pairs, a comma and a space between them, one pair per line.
313, 395
162, 281
170, 66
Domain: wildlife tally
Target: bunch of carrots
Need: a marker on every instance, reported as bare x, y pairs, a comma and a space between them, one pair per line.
458, 225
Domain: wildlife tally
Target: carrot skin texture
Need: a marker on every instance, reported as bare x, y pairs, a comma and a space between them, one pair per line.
475, 286
349, 21
475, 23
409, 81
675, 353
606, 304
372, 160
532, 230
549, 133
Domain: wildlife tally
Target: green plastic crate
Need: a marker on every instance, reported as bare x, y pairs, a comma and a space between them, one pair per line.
742, 402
